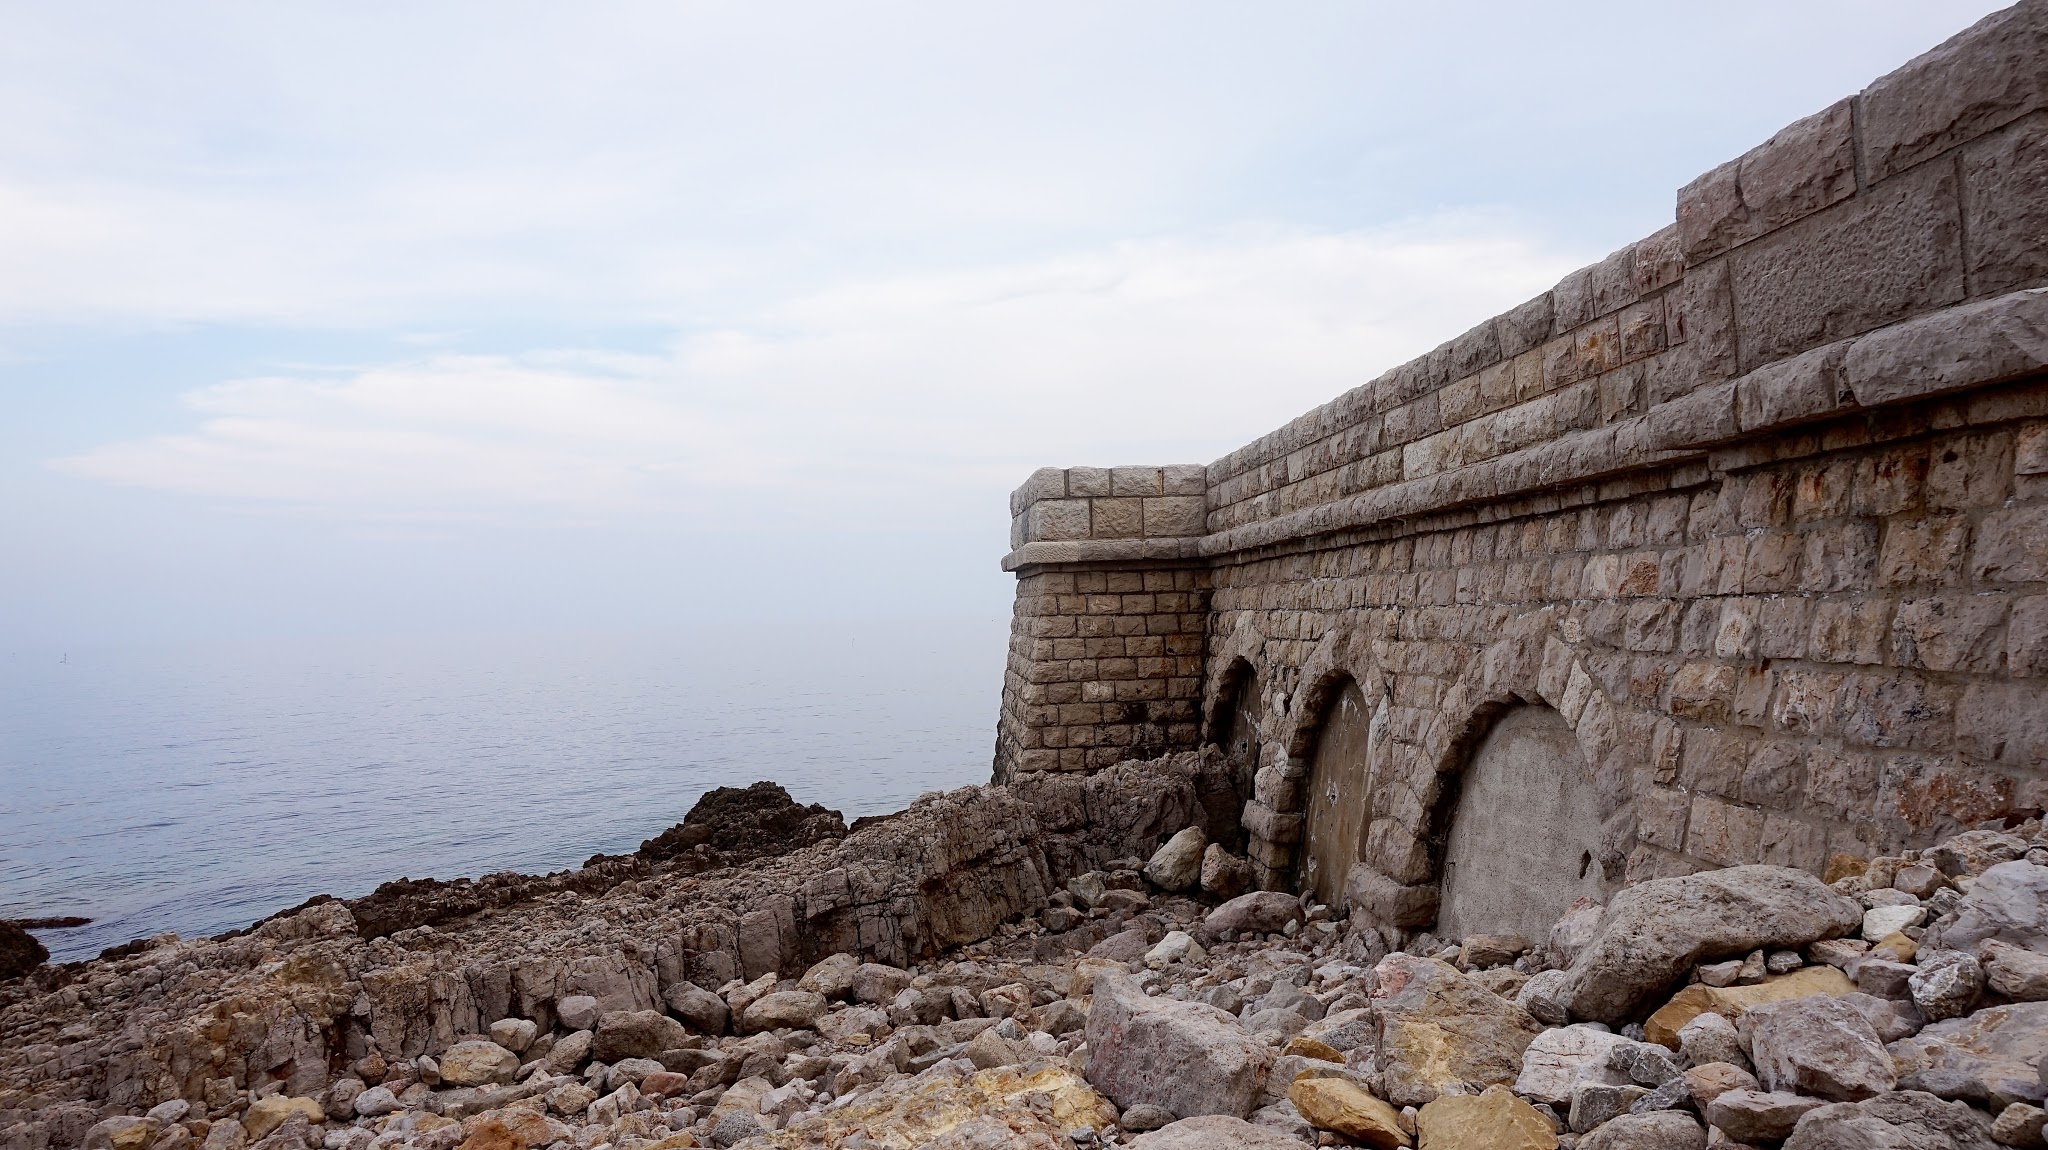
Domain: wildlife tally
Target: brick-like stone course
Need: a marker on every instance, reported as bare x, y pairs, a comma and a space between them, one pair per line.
1759, 504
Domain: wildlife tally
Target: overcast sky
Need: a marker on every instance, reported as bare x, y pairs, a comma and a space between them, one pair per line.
359, 317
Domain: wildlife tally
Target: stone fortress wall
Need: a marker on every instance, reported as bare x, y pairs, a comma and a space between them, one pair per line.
1732, 547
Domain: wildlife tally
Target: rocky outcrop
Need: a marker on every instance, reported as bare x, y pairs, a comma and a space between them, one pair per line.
19, 952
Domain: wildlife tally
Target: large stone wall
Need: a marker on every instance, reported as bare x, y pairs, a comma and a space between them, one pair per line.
1758, 505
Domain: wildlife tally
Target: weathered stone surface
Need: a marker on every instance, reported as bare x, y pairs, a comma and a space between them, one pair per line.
1494, 1119
636, 1034
578, 1012
2020, 1124
1907, 1120
478, 1064
267, 1114
1946, 985
1732, 1002
831, 976
1653, 932
1259, 912
2020, 975
784, 1008
122, 1132
1817, 1045
1177, 864
700, 1009
1663, 1130
1340, 1106
879, 984
1980, 78
514, 1034
1757, 1115
1594, 1103
1224, 875
1442, 1031
1558, 1060
2008, 902
1711, 1037
1214, 1132
1189, 1057
1710, 1080
1988, 1057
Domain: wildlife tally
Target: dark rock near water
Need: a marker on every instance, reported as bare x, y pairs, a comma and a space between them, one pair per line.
746, 823
19, 951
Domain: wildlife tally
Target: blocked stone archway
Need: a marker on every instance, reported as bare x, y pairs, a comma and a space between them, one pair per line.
1525, 830
1337, 798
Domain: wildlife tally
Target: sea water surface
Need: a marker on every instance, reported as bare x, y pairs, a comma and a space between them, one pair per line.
199, 788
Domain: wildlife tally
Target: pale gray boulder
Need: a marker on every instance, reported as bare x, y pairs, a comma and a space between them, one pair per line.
1653, 933
1188, 1057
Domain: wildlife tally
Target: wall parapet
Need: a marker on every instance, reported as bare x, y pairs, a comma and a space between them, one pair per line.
1758, 503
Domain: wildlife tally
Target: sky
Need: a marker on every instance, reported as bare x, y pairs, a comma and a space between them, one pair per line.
383, 318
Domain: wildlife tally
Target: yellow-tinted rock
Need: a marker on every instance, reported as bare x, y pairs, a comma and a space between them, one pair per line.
1337, 1105
1843, 866
492, 1134
1309, 1048
1731, 1001
1050, 1104
682, 1141
265, 1115
1495, 1120
1895, 947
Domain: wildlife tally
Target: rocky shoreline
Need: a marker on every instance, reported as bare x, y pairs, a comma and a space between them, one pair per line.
1054, 963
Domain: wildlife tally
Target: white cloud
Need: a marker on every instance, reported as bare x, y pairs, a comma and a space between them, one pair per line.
872, 405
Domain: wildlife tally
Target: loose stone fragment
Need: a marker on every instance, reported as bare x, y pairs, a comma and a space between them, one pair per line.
1819, 1046
1558, 1060
1177, 864
1909, 1119
1663, 1130
1759, 1116
1188, 1057
1441, 1032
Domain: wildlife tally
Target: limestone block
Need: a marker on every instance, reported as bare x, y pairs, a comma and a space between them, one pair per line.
1806, 166
1988, 75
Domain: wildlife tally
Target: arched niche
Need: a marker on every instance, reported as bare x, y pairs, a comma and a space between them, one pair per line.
1239, 711
1524, 837
1337, 797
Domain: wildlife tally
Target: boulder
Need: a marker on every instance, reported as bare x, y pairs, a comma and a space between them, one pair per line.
1662, 1130
376, 1102
1653, 933
478, 1064
569, 1052
1645, 1063
1758, 1115
1557, 1060
2020, 1125
1974, 852
1177, 864
1989, 1058
1732, 1002
1442, 1032
1188, 1057
122, 1132
794, 1009
1906, 1120
2008, 902
267, 1114
1139, 1119
1710, 1080
1547, 997
1214, 1132
2020, 975
1595, 1103
1946, 985
577, 1012
514, 1034
1881, 922
1711, 1038
636, 1034
1260, 912
1820, 1046
1224, 875
990, 1049
831, 977
703, 1011
1343, 1107
878, 984
1493, 1119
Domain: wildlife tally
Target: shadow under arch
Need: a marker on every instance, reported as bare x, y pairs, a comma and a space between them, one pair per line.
1234, 720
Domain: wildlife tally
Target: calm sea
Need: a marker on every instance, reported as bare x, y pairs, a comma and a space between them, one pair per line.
197, 789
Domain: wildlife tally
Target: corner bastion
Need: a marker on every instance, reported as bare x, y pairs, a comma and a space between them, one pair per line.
1731, 547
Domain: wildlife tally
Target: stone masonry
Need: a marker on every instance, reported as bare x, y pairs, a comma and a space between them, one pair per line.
1757, 504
